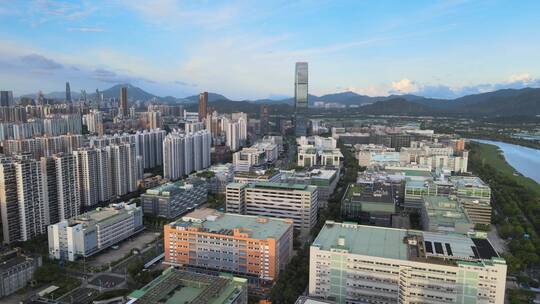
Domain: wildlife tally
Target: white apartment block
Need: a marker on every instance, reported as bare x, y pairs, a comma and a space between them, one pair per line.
291, 201
94, 175
352, 263
185, 153
124, 169
256, 155
93, 231
23, 201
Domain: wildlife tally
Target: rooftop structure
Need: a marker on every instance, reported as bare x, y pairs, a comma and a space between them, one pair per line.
176, 286
442, 214
174, 199
373, 203
356, 263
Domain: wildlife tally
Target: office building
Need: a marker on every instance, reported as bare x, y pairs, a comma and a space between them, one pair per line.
300, 98
123, 104
324, 179
264, 115
203, 106
257, 176
16, 271
352, 263
374, 204
290, 201
173, 199
177, 286
316, 151
68, 93
6, 99
91, 232
255, 157
251, 246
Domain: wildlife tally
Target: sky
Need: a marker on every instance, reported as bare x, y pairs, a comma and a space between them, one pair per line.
247, 49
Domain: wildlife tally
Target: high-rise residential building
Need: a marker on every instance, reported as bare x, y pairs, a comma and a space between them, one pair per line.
185, 153
300, 98
253, 246
265, 127
61, 186
68, 93
94, 175
153, 119
291, 201
123, 105
6, 98
93, 231
94, 122
23, 201
192, 288
124, 172
351, 263
232, 133
203, 106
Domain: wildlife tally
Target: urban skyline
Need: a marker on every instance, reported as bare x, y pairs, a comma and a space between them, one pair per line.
424, 48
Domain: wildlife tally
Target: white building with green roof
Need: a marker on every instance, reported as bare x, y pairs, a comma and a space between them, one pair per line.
298, 202
93, 231
351, 263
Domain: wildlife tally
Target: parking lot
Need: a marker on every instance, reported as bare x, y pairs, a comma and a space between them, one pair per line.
106, 281
110, 255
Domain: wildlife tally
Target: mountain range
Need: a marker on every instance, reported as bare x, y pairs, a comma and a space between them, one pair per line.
506, 102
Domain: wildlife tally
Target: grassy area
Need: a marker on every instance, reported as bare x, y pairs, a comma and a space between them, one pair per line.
516, 204
490, 154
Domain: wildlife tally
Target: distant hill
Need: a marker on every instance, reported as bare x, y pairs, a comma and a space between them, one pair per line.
501, 103
211, 97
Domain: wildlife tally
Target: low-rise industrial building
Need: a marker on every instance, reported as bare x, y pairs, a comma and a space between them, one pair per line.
253, 246
16, 270
91, 232
324, 179
442, 214
177, 286
375, 203
176, 198
351, 263
288, 201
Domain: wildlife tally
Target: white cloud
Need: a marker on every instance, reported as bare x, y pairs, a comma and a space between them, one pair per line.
404, 86
522, 77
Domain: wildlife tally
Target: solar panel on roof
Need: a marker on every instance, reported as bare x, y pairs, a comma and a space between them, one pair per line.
438, 248
475, 251
429, 247
448, 249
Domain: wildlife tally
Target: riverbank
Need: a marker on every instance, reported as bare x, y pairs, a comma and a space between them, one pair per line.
502, 138
516, 206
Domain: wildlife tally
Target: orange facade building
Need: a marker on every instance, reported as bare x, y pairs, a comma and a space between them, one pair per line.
241, 244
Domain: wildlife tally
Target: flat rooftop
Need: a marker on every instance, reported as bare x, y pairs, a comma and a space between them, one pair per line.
101, 214
176, 286
443, 211
224, 223
392, 243
283, 186
468, 181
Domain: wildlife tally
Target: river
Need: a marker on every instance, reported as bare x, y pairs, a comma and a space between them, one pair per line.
525, 160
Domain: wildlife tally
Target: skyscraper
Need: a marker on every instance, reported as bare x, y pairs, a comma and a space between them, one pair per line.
123, 102
300, 98
203, 105
68, 93
6, 98
264, 120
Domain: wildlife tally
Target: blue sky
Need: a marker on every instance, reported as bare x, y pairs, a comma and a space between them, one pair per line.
247, 49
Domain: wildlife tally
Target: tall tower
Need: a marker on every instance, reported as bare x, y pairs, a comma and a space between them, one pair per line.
68, 93
264, 119
6, 98
123, 102
203, 105
300, 98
